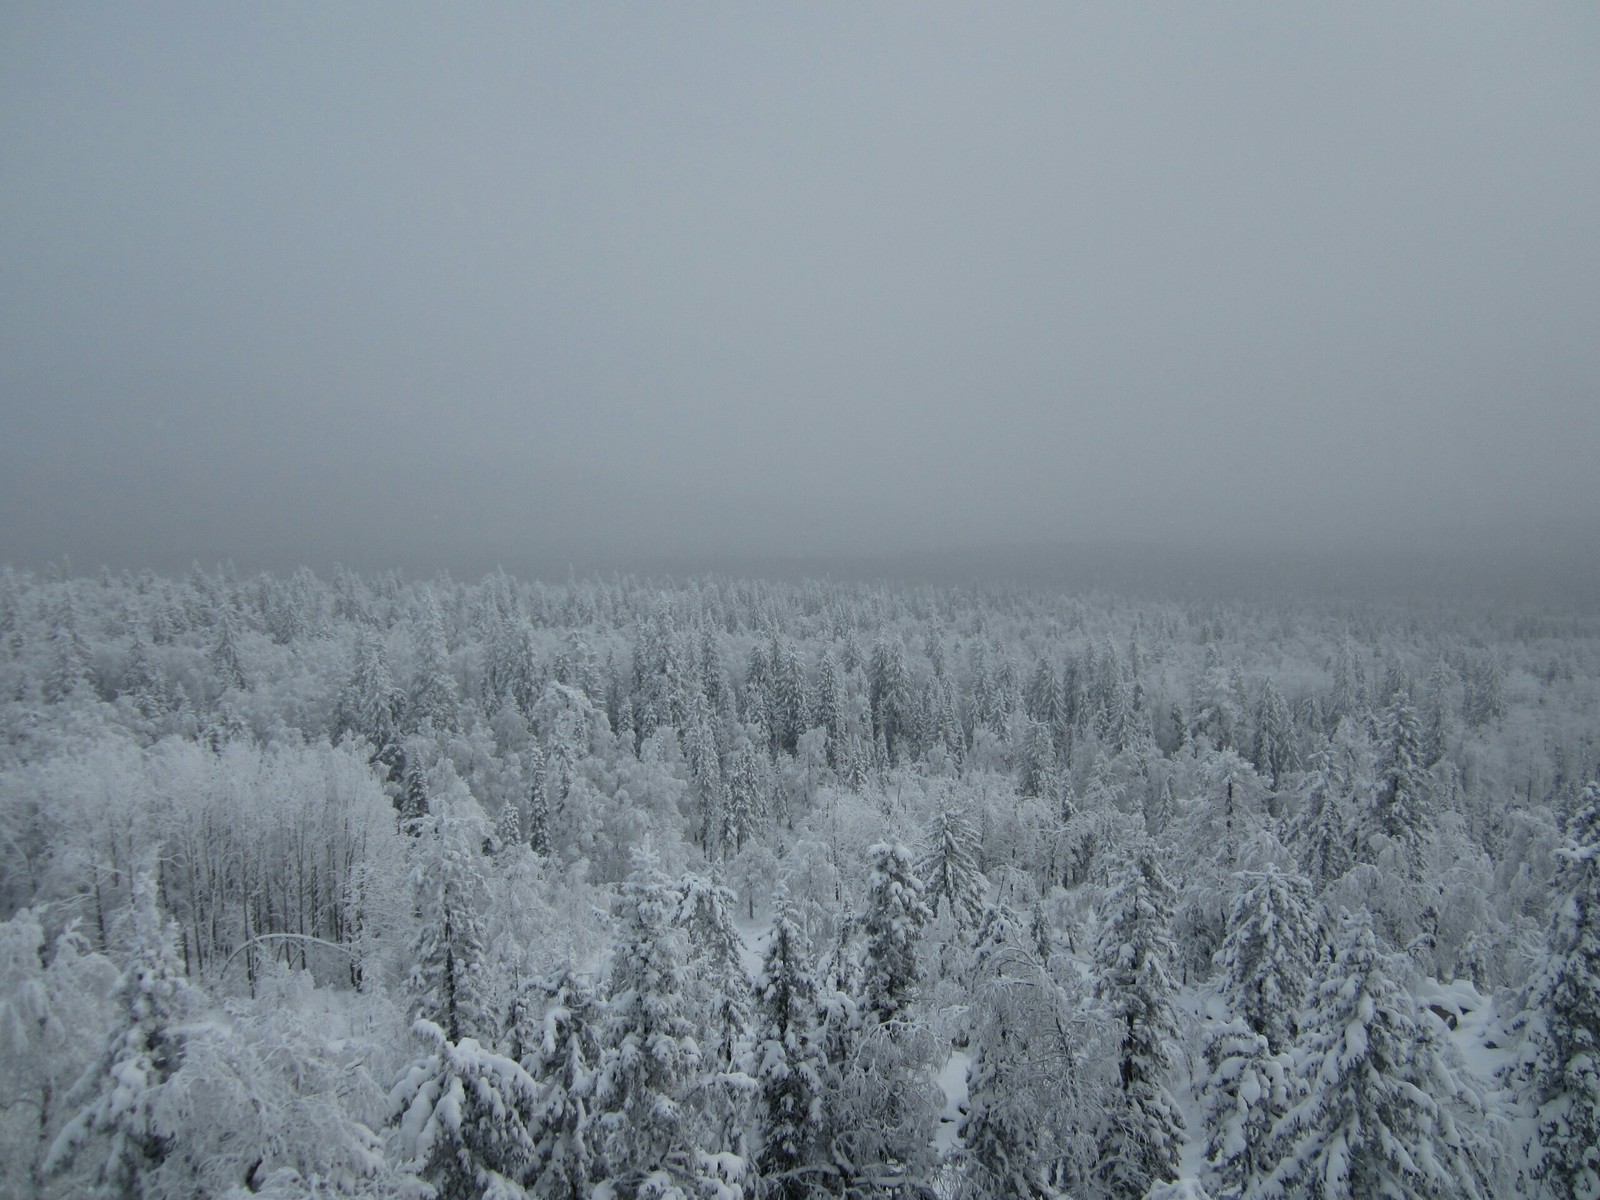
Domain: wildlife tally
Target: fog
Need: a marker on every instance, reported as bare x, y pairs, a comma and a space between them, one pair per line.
433, 287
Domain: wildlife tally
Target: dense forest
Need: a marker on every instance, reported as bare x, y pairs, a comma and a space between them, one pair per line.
717, 888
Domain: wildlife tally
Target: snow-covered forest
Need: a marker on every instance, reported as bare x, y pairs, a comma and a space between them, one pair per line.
720, 888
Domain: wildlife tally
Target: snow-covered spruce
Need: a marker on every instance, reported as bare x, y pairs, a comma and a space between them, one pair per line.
120, 1095
1568, 1066
789, 1062
1142, 1129
448, 886
462, 1114
1267, 956
1384, 1112
1029, 1111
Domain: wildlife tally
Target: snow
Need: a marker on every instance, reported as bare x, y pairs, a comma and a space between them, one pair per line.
953, 1083
543, 914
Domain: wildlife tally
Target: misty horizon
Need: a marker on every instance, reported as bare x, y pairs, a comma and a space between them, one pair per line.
447, 290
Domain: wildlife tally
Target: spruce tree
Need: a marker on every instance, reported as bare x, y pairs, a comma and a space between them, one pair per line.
370, 703
895, 915
1399, 812
449, 892
67, 669
539, 832
1568, 1065
829, 706
564, 1059
1140, 1140
462, 1112
651, 1060
789, 1060
1267, 956
746, 802
1248, 1088
508, 827
1323, 833
1027, 1105
432, 700
949, 871
122, 1095
1274, 747
225, 657
1436, 715
1383, 1112
718, 996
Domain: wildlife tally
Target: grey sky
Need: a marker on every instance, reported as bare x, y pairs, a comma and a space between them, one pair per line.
451, 284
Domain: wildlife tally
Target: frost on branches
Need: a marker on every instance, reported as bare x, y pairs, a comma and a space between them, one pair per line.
448, 886
121, 1097
895, 916
1267, 956
1568, 1067
1384, 1113
652, 1061
789, 1061
462, 1114
1142, 1133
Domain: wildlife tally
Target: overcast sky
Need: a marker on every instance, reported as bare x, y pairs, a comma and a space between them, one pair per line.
452, 284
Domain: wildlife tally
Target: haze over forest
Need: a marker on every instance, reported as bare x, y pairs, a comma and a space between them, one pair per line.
799, 602
629, 286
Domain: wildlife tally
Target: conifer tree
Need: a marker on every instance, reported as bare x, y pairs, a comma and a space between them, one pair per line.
949, 868
1398, 811
889, 695
1026, 1112
462, 1112
1383, 1110
651, 1059
881, 1103
705, 770
829, 707
1485, 693
369, 704
1436, 718
539, 832
1568, 1066
1269, 951
1324, 831
1274, 747
895, 915
718, 997
1040, 774
1140, 1140
1044, 695
67, 669
432, 700
225, 658
508, 826
788, 1058
854, 770
448, 887
145, 683
1348, 699
121, 1095
1248, 1088
746, 795
564, 1060
789, 706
